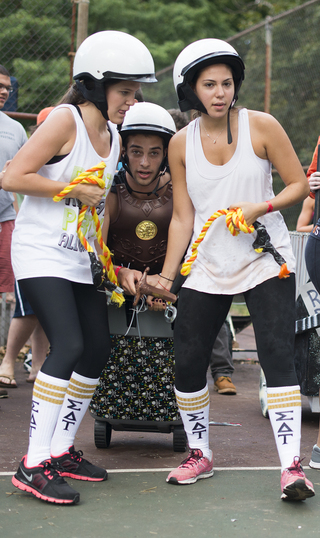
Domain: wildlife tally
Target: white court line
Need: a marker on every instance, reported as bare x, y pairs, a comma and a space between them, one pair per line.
167, 469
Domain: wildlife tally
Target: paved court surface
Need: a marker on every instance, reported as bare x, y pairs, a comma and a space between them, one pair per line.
239, 501
138, 505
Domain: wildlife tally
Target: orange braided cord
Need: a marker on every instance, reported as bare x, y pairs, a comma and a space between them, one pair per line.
84, 177
82, 238
89, 177
235, 223
106, 256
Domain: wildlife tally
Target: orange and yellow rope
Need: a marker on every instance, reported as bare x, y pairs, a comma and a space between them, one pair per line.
235, 223
89, 176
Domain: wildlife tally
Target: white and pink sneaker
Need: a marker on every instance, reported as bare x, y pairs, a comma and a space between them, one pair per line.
294, 484
193, 468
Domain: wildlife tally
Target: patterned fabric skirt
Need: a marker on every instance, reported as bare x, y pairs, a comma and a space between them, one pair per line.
137, 382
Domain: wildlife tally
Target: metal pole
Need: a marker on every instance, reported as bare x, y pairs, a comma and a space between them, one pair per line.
83, 16
73, 31
267, 91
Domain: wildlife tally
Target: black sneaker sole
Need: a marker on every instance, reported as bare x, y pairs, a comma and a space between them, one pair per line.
66, 474
24, 487
298, 491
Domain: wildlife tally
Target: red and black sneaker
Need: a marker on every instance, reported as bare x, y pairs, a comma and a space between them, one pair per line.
45, 483
73, 465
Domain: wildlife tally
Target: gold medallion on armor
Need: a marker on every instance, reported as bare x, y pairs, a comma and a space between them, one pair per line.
146, 230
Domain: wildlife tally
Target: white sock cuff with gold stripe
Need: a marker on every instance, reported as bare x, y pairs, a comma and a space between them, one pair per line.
193, 401
49, 389
283, 397
81, 387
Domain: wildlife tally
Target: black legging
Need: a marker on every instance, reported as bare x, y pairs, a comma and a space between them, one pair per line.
75, 319
201, 315
312, 256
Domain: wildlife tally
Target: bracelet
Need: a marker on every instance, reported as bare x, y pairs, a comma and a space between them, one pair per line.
170, 279
312, 195
117, 270
270, 206
162, 286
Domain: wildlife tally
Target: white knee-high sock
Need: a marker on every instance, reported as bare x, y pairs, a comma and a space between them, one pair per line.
284, 408
75, 404
194, 411
47, 399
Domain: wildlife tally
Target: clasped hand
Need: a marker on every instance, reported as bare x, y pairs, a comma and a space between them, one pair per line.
314, 181
88, 194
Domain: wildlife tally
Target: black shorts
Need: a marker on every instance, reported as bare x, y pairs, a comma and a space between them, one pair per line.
23, 307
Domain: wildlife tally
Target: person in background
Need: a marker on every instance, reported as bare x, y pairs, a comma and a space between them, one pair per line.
304, 222
12, 138
312, 257
220, 163
51, 263
24, 325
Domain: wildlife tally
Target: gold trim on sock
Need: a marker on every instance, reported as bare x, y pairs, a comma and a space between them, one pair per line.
84, 395
283, 399
193, 404
47, 399
81, 385
42, 384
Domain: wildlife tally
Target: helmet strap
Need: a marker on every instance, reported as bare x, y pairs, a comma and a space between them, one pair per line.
97, 96
228, 128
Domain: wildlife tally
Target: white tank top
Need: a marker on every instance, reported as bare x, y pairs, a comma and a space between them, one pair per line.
227, 264
45, 240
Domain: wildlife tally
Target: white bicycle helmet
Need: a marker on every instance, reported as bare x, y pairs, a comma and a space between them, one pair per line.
148, 118
110, 55
199, 55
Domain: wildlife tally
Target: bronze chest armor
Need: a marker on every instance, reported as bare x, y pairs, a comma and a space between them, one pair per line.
138, 235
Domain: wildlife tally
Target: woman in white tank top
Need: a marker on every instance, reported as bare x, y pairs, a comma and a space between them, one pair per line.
223, 160
50, 263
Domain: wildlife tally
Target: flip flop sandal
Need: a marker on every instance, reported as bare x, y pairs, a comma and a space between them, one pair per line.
8, 385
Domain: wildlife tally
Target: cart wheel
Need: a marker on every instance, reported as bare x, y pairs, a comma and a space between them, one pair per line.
102, 434
263, 395
179, 439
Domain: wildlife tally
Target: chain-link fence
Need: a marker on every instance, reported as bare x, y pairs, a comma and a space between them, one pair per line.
282, 58
36, 44
293, 48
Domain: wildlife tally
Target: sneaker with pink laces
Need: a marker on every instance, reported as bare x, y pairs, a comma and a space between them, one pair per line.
194, 467
294, 484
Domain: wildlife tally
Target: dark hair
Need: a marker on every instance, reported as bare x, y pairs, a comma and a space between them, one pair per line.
72, 97
139, 96
4, 71
180, 119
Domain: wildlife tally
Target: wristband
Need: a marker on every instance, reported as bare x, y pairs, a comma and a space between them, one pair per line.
312, 195
170, 280
117, 270
162, 286
270, 206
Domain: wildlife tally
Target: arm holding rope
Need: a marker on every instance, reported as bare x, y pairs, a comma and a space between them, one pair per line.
55, 136
181, 225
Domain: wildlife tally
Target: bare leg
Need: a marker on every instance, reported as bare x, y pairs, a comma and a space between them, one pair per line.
19, 332
39, 346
